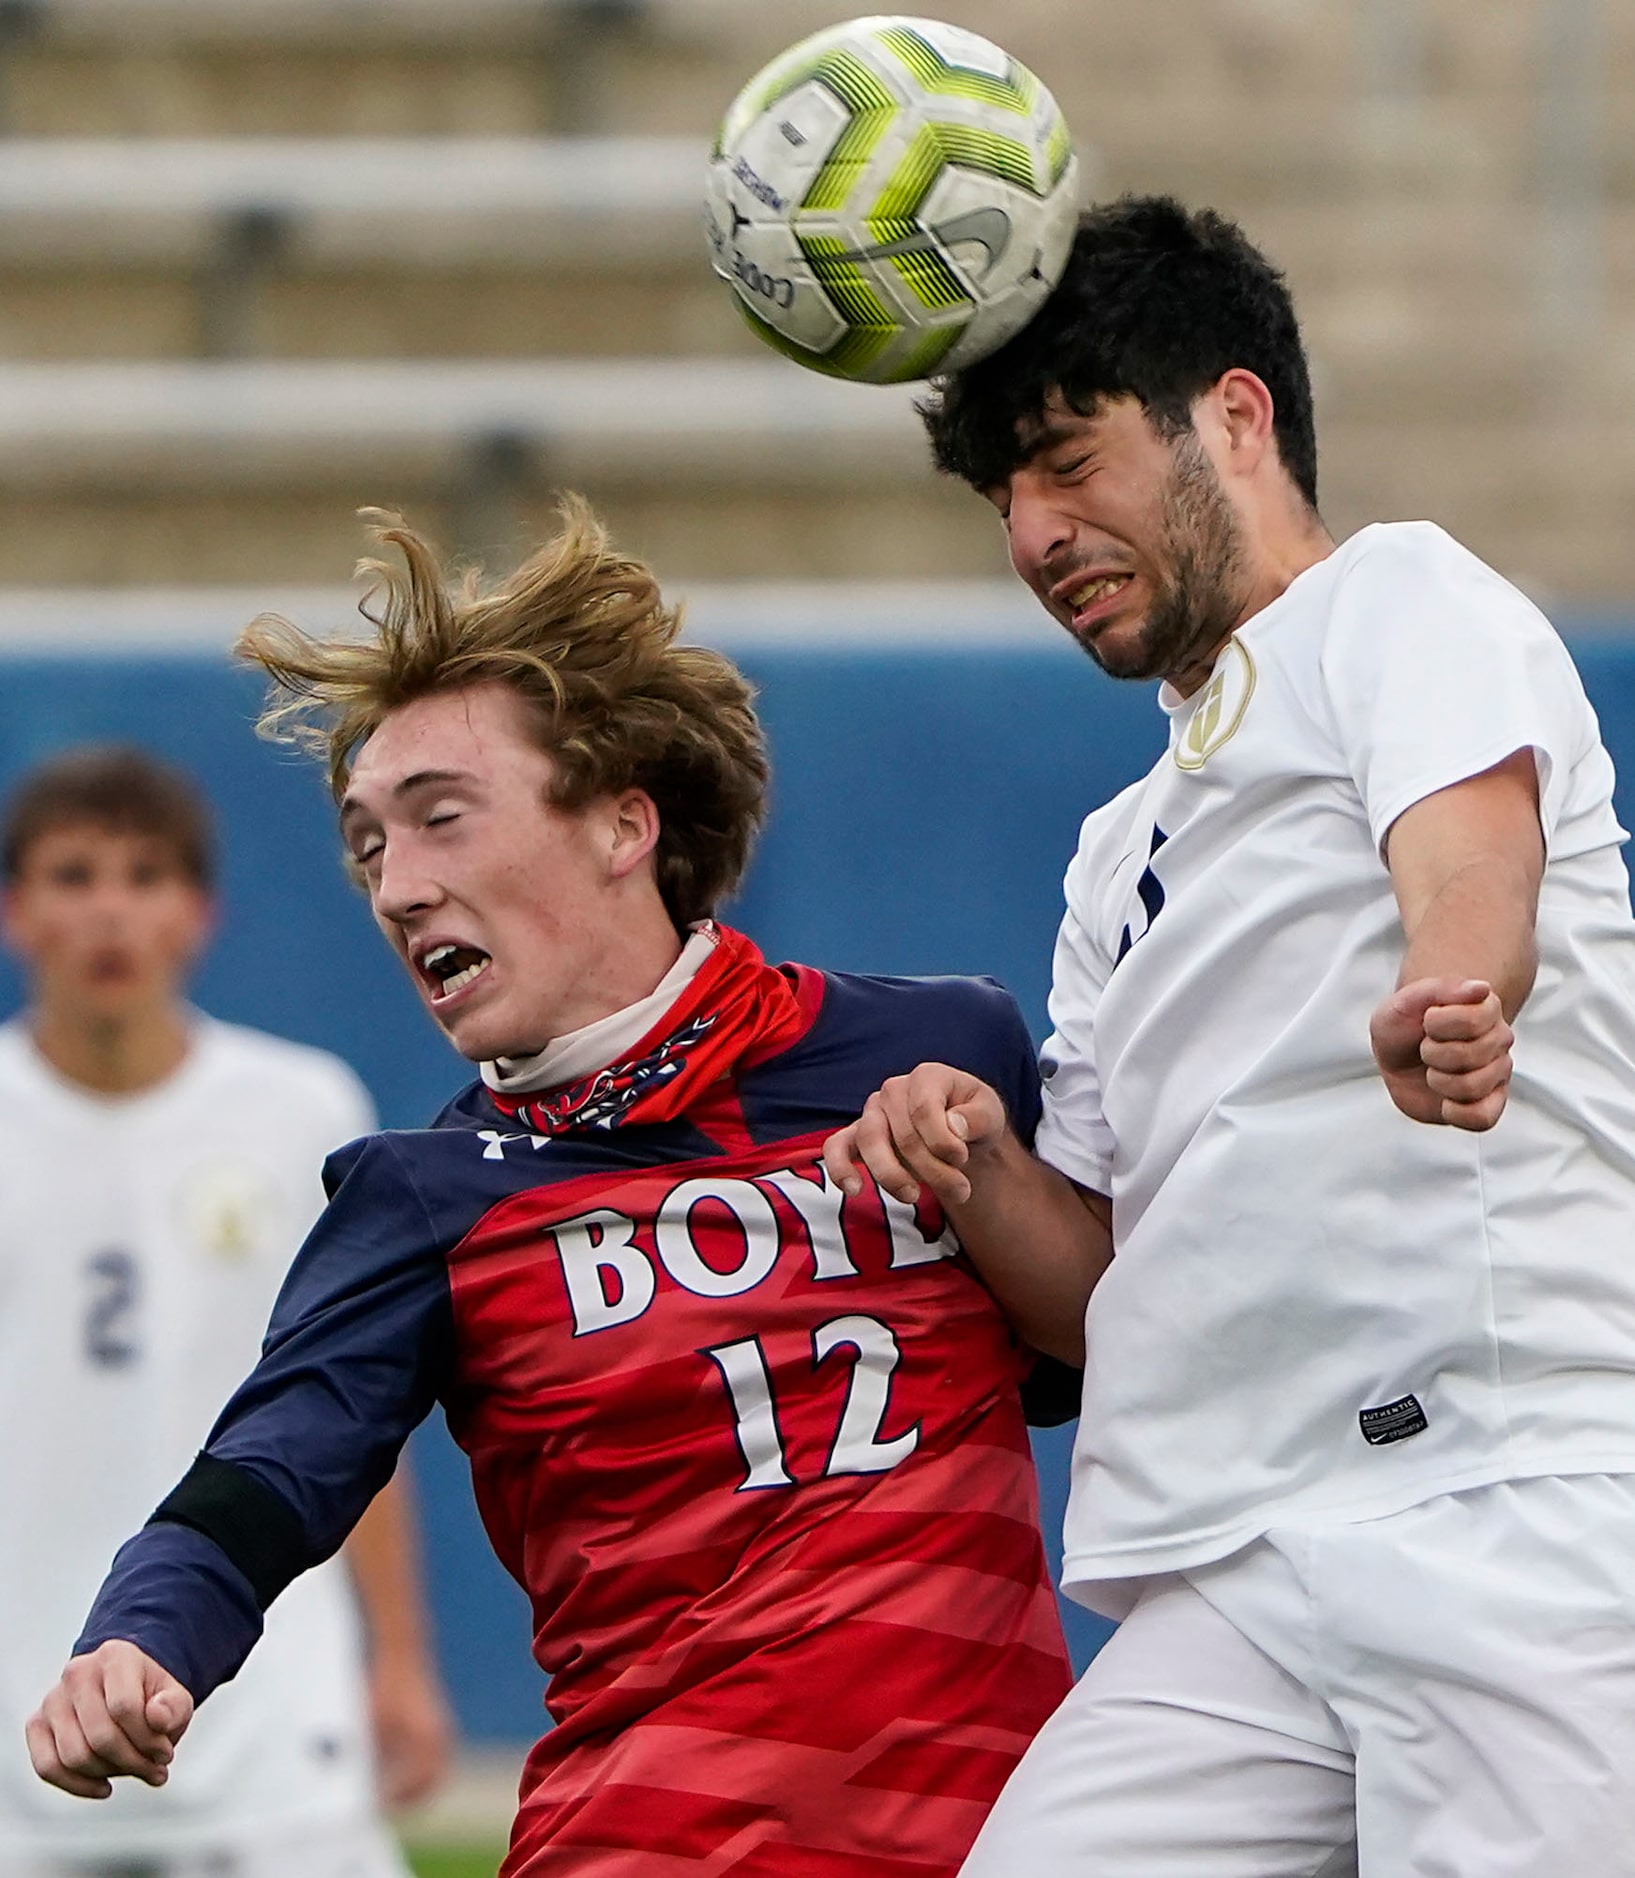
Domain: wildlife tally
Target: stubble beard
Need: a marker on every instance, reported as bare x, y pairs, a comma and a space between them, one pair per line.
1197, 583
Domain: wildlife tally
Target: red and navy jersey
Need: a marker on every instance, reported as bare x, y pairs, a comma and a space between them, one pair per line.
755, 1449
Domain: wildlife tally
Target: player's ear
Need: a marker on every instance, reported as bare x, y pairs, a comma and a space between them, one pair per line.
189, 935
207, 917
1236, 415
18, 934
10, 936
632, 828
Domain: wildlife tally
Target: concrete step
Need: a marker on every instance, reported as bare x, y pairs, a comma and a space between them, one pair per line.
1417, 351
159, 472
379, 67
1412, 351
177, 474
135, 536
318, 67
1547, 500
1315, 150
411, 247
497, 247
372, 313
757, 420
340, 67
1557, 523
1487, 249
462, 201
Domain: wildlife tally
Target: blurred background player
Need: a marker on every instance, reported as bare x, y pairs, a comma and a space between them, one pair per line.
757, 1455
157, 1172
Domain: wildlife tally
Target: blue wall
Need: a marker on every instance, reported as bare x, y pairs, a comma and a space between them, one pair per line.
925, 805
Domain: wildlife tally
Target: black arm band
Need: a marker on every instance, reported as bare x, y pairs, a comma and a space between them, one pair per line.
1050, 1393
257, 1529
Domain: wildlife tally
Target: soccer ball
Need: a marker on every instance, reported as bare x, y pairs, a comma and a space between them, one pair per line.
890, 198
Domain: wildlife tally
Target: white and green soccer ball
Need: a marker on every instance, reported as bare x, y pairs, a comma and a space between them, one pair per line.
891, 198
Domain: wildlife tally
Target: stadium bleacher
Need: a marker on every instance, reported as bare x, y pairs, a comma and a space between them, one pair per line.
386, 180
263, 247
176, 470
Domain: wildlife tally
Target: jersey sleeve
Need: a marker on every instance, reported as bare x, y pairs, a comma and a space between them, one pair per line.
1435, 668
1073, 1133
1014, 1070
359, 1348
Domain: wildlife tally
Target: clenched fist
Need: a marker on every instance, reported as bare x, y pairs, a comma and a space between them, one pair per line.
114, 1711
919, 1128
1443, 1047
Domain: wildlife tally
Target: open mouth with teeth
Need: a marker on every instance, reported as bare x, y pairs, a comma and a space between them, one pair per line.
447, 969
1094, 599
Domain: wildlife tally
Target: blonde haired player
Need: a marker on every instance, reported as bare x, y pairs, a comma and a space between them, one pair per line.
1356, 1464
160, 1169
739, 1436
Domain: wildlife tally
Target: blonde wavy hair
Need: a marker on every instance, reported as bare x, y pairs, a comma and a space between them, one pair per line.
582, 635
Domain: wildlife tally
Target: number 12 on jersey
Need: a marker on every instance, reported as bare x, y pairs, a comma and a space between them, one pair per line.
857, 1447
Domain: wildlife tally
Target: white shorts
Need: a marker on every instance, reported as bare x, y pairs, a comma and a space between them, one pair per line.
1446, 1693
362, 1850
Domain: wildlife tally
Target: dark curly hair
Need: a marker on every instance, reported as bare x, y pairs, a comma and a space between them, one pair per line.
1157, 303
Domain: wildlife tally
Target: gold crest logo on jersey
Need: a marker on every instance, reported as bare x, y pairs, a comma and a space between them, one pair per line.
1219, 710
226, 1209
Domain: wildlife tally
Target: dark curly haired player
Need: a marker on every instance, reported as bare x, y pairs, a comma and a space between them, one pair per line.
1357, 1458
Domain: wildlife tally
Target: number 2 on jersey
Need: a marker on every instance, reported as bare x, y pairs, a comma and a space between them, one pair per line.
857, 1447
110, 1328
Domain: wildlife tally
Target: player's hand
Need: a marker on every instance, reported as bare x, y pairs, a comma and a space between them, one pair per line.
1443, 1047
922, 1128
114, 1711
414, 1732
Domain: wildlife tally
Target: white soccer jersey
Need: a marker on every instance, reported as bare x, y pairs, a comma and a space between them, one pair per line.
1319, 1308
142, 1242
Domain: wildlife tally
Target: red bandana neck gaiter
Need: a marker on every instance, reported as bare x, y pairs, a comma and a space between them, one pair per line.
737, 1011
